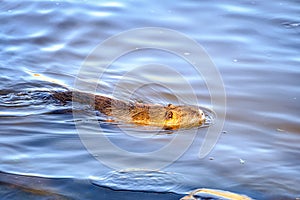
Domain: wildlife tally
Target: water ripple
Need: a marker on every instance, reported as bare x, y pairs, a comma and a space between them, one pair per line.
140, 180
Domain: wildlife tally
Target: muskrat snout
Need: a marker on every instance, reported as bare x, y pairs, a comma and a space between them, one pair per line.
202, 115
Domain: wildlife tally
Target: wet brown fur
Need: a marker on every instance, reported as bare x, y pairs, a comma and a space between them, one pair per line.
168, 117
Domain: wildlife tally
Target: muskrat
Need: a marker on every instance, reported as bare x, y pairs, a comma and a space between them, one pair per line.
169, 117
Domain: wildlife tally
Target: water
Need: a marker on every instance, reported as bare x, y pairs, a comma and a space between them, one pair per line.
254, 45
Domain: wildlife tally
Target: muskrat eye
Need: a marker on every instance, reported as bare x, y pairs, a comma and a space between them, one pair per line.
169, 115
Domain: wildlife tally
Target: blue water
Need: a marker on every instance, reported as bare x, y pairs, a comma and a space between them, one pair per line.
253, 44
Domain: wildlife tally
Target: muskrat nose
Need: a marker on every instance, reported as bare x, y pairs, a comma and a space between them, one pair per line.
202, 115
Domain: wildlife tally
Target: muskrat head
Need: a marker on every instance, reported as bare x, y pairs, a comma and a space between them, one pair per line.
182, 117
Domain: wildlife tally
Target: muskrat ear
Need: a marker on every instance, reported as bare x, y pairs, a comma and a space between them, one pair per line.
171, 105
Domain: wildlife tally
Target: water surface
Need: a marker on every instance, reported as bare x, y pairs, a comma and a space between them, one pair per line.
255, 46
